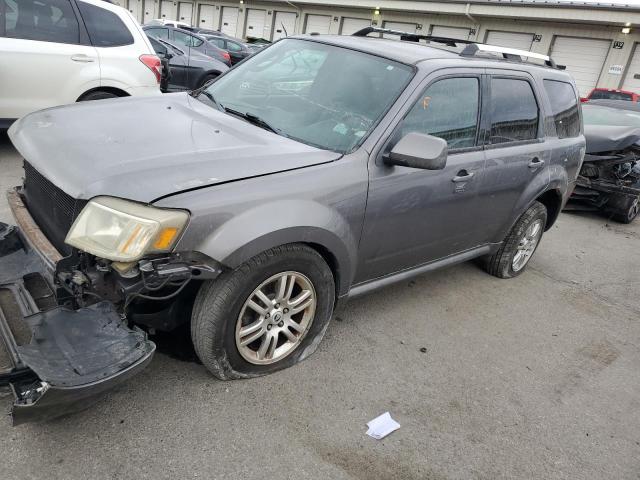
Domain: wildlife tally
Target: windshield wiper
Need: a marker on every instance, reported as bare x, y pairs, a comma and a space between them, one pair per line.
210, 97
256, 120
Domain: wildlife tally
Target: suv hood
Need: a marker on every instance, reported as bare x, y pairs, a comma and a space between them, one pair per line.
146, 148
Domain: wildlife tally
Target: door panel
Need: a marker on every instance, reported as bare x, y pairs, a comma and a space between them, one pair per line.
229, 20
511, 166
150, 10
418, 216
317, 24
185, 12
207, 16
284, 25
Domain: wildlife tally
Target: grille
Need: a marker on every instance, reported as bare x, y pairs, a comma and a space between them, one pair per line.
52, 209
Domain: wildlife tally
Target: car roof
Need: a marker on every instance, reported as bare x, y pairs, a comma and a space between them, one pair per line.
412, 53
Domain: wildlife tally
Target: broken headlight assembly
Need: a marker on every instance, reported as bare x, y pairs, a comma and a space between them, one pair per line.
125, 231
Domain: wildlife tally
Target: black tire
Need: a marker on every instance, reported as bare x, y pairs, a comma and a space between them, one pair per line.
97, 96
500, 264
208, 78
219, 302
630, 215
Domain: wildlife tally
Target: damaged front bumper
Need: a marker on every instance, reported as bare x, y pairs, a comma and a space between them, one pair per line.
57, 360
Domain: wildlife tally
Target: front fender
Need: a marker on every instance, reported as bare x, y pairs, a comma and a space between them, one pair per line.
280, 222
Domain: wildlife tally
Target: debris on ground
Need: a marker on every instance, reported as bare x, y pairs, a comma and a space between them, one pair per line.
382, 426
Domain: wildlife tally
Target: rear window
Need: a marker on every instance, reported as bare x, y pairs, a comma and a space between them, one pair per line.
43, 20
105, 27
604, 95
564, 107
514, 111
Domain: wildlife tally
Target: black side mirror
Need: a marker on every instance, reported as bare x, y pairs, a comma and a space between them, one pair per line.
418, 150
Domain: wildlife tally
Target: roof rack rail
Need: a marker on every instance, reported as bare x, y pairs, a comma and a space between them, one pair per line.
509, 54
470, 49
411, 37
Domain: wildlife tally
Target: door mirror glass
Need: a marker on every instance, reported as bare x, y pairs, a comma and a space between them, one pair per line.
419, 150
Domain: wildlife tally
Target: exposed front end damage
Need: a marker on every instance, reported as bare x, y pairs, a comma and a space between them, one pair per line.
609, 180
68, 325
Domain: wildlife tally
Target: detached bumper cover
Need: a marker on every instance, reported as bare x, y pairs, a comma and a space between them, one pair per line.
73, 355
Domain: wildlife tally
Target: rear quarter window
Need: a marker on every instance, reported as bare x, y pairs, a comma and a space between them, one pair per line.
105, 28
564, 108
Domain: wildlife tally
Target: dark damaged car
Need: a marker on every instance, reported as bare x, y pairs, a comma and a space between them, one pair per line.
609, 180
251, 208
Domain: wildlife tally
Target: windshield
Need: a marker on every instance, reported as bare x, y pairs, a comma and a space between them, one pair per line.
599, 115
318, 94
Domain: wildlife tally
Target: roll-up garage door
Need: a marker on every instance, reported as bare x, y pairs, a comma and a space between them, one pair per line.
185, 12
207, 16
630, 81
284, 25
399, 26
135, 7
256, 21
583, 57
150, 10
520, 41
120, 3
458, 33
352, 25
169, 10
317, 24
229, 20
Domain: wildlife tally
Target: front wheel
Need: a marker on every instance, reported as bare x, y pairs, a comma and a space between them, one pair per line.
268, 314
520, 244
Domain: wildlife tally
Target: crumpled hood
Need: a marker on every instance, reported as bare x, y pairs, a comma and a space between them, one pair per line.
610, 138
146, 148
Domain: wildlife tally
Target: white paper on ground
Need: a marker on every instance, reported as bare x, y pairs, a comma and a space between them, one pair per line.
382, 426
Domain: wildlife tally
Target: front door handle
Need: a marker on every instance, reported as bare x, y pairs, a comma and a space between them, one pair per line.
81, 58
463, 176
536, 163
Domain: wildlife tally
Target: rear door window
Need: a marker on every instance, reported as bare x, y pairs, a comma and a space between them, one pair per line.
43, 20
513, 111
447, 109
105, 28
158, 33
564, 107
186, 39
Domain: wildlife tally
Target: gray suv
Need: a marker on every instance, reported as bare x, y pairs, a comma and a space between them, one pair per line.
322, 168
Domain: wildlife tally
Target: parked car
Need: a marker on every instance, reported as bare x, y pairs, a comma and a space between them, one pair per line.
178, 36
251, 216
609, 179
54, 53
611, 94
170, 23
237, 49
185, 69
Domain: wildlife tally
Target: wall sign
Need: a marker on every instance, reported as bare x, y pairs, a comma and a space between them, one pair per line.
618, 44
537, 38
616, 69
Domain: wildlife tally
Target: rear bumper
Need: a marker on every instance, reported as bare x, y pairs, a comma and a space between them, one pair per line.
57, 360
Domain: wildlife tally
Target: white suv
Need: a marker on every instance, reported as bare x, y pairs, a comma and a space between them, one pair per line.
54, 52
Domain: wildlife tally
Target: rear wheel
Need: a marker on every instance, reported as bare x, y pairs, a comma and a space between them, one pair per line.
97, 96
520, 244
631, 213
266, 315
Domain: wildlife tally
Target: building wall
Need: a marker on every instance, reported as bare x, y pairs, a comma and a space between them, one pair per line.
545, 22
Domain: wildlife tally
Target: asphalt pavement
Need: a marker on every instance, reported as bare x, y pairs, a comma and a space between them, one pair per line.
533, 377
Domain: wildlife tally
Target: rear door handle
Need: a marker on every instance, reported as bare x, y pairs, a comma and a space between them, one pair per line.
463, 176
536, 163
81, 58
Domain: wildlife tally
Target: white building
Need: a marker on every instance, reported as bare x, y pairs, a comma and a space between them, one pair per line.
597, 42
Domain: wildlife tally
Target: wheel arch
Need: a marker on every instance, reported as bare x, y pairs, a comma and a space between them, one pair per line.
552, 200
116, 91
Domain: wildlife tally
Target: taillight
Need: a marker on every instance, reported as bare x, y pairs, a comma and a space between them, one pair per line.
153, 63
226, 55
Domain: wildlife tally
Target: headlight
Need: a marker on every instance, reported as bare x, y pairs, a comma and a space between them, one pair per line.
125, 231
